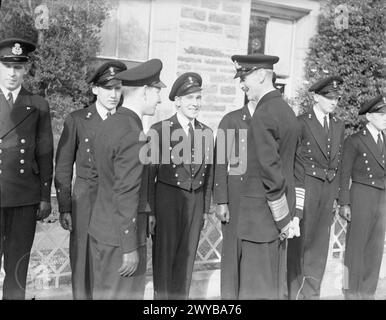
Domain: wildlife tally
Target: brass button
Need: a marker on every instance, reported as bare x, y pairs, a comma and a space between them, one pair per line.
21, 170
22, 161
176, 175
86, 140
22, 140
22, 151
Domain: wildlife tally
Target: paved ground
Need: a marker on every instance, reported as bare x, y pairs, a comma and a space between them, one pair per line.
205, 285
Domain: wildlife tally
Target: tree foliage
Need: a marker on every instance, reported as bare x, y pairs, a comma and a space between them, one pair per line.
66, 48
357, 53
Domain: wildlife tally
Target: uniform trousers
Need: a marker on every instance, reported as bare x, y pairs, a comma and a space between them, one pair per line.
307, 255
18, 225
364, 241
179, 218
231, 245
263, 270
107, 283
79, 240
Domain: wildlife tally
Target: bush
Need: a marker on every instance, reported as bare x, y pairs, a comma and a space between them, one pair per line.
65, 50
356, 53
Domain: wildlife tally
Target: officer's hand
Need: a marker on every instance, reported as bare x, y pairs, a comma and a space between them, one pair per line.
222, 212
129, 263
44, 210
66, 221
205, 221
295, 226
287, 232
345, 212
151, 224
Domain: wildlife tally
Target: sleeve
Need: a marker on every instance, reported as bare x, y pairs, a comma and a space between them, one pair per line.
64, 164
45, 152
221, 157
299, 174
265, 131
348, 158
128, 174
144, 203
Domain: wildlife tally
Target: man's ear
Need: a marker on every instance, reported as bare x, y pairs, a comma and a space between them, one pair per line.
315, 97
177, 102
368, 117
95, 90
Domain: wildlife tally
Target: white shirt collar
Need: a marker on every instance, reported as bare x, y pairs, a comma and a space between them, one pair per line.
15, 92
374, 132
251, 107
103, 111
320, 116
184, 122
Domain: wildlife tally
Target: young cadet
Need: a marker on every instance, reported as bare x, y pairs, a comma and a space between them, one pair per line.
363, 204
268, 199
181, 190
117, 231
75, 147
26, 152
319, 155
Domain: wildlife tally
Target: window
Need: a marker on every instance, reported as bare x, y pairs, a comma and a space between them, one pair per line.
126, 33
257, 30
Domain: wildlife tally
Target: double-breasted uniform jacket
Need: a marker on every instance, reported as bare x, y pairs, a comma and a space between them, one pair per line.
119, 169
26, 151
228, 162
320, 155
363, 163
179, 175
268, 198
75, 147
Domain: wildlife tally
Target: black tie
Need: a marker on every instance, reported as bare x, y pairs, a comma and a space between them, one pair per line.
10, 100
325, 125
191, 137
108, 114
380, 143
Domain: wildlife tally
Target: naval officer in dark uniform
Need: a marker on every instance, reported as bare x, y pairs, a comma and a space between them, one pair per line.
182, 191
75, 147
319, 154
117, 232
231, 143
268, 202
363, 204
26, 152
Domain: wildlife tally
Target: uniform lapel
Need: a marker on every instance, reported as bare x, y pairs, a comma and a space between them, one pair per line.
335, 135
175, 125
317, 131
368, 140
22, 109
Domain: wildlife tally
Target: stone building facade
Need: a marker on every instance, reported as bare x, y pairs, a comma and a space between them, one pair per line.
202, 35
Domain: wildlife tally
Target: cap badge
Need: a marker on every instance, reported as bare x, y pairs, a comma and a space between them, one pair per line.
17, 50
244, 117
384, 99
190, 79
335, 84
112, 72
